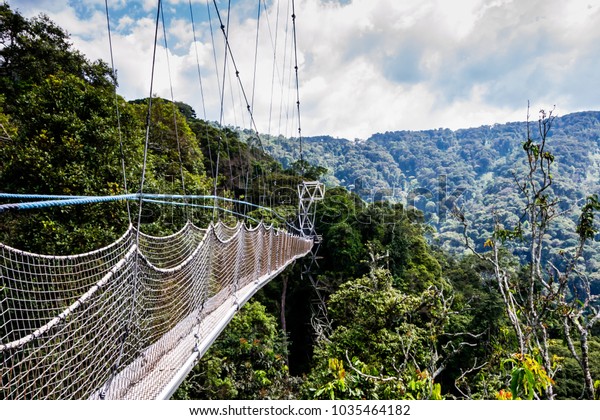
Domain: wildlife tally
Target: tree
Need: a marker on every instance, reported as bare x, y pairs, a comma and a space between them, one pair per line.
543, 294
175, 158
66, 143
385, 344
306, 170
33, 49
248, 361
64, 137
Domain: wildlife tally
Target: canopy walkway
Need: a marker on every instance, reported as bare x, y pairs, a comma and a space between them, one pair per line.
129, 320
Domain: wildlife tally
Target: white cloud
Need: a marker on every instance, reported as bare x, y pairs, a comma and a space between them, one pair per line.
125, 24
480, 61
180, 33
149, 5
365, 66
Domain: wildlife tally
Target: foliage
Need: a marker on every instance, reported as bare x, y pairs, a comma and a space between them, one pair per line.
306, 170
388, 338
528, 378
569, 379
365, 382
466, 291
536, 296
436, 170
65, 142
33, 49
585, 227
174, 152
247, 362
61, 137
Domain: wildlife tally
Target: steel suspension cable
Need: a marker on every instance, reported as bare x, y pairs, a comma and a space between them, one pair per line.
285, 42
201, 88
225, 52
233, 108
148, 117
226, 73
228, 50
237, 72
229, 154
287, 113
247, 171
116, 365
212, 37
233, 102
118, 113
297, 80
173, 103
228, 69
255, 55
274, 69
205, 132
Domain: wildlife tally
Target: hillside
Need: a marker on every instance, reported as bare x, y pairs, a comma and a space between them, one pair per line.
397, 163
473, 169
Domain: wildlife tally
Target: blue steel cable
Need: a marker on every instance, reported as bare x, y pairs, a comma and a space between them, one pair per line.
39, 196
64, 202
68, 200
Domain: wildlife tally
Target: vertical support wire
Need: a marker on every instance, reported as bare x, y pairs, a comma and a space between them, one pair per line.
135, 280
283, 72
274, 69
252, 101
174, 112
148, 121
118, 113
222, 104
235, 67
212, 169
297, 81
255, 55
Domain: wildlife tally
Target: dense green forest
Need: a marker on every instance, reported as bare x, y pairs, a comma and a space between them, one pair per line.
437, 171
464, 303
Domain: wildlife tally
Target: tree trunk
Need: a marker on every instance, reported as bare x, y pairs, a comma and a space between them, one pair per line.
585, 365
283, 298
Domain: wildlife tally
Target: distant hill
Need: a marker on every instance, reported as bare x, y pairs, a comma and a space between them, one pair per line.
435, 170
405, 160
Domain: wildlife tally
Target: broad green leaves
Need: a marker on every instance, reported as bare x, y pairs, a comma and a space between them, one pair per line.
528, 378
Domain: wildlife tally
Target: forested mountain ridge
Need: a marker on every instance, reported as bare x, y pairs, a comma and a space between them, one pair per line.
397, 161
473, 169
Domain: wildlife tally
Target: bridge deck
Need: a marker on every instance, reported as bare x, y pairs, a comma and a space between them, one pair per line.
152, 377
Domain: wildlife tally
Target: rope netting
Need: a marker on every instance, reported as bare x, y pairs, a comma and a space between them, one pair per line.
129, 320
122, 321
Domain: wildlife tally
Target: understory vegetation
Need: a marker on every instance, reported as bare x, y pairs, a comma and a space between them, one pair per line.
484, 304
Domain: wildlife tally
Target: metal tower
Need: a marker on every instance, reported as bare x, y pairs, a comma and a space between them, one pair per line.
309, 193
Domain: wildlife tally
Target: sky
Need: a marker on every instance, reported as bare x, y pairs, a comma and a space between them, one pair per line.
364, 66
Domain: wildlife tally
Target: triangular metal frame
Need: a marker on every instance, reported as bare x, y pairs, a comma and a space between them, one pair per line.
309, 194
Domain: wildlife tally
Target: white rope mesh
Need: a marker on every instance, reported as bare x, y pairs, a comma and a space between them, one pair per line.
121, 322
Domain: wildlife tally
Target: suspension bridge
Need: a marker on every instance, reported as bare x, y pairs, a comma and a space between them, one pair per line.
130, 320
